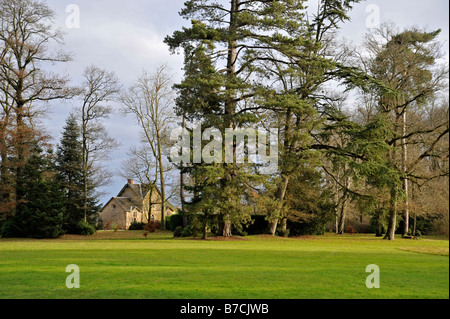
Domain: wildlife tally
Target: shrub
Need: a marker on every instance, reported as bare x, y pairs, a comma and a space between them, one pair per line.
283, 232
178, 231
136, 226
10, 230
313, 227
195, 226
85, 229
174, 221
186, 232
361, 228
439, 226
152, 226
350, 230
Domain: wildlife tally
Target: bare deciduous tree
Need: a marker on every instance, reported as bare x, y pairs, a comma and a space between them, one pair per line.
99, 87
150, 99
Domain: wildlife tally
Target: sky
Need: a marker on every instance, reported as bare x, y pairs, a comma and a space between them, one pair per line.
127, 37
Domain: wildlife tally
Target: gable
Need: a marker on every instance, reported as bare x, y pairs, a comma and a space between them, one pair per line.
132, 193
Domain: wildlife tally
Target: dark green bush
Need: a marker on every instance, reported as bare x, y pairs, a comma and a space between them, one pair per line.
311, 228
174, 221
178, 231
85, 229
186, 232
136, 226
10, 230
283, 232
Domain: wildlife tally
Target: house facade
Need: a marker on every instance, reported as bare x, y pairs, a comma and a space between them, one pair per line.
133, 204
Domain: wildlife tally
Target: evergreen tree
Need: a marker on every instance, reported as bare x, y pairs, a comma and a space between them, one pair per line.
253, 61
407, 63
229, 42
69, 166
40, 213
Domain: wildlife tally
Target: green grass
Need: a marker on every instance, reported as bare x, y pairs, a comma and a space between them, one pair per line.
126, 265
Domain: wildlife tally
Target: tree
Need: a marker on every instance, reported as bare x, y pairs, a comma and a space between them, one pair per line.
246, 48
69, 164
142, 166
406, 62
231, 38
6, 173
100, 86
26, 32
150, 101
40, 213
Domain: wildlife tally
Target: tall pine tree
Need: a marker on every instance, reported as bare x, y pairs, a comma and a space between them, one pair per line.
69, 166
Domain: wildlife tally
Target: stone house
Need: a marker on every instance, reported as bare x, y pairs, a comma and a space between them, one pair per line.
132, 204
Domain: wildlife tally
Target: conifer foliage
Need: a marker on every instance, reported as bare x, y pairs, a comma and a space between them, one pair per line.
40, 213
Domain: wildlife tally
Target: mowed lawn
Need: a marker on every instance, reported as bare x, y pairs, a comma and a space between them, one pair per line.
127, 265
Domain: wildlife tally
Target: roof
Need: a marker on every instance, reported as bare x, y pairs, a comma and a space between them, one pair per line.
136, 188
126, 203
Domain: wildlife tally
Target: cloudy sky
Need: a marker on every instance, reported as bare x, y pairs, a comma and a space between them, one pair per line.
127, 37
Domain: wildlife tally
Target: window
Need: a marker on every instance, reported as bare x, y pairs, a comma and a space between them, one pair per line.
152, 218
114, 206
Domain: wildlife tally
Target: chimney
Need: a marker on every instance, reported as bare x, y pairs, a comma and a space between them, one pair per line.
130, 181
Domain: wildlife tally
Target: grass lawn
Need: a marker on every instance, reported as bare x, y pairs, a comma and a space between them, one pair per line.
126, 265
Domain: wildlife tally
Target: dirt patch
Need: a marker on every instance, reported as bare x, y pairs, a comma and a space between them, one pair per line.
109, 234
221, 238
305, 237
270, 237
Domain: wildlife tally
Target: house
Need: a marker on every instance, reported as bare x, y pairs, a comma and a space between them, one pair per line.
132, 204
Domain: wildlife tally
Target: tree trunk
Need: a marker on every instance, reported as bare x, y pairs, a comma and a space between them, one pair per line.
390, 233
342, 218
84, 137
226, 226
20, 144
405, 180
284, 227
182, 195
6, 186
281, 193
273, 227
415, 214
163, 192
205, 225
230, 102
378, 226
